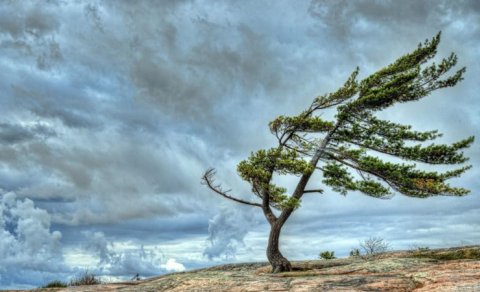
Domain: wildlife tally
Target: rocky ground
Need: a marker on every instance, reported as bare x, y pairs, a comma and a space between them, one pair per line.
454, 269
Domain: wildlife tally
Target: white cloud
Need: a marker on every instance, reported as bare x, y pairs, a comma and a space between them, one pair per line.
30, 251
173, 266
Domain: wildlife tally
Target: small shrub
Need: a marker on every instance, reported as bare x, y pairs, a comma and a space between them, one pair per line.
85, 279
423, 248
327, 255
55, 284
374, 245
418, 249
355, 252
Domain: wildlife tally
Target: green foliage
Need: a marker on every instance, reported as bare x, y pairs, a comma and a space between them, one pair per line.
390, 138
347, 91
351, 141
337, 176
355, 252
327, 255
403, 81
301, 123
258, 169
55, 284
260, 165
281, 200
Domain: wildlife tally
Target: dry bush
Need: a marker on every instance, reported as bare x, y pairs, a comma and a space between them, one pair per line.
85, 279
374, 245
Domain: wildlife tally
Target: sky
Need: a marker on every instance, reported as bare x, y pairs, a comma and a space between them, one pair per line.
110, 112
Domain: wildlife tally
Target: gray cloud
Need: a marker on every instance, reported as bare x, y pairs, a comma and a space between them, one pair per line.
12, 134
116, 172
62, 103
30, 32
346, 18
136, 260
227, 232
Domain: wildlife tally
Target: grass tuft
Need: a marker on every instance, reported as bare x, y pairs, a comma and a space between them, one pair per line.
55, 284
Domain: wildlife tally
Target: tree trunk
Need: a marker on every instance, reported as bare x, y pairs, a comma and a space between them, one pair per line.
277, 260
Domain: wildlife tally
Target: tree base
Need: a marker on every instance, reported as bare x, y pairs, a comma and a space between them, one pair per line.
281, 265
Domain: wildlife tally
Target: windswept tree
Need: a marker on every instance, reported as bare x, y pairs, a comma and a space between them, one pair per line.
355, 151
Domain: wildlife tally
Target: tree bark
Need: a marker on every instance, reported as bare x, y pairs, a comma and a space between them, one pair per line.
277, 260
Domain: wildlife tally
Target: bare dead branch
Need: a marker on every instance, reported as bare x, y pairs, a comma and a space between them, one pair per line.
208, 180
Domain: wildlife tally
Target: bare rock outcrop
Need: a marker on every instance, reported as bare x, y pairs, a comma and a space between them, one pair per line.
454, 269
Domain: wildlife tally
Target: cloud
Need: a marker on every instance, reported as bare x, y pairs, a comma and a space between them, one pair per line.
129, 116
173, 266
30, 251
345, 18
30, 32
227, 231
113, 260
98, 244
158, 175
14, 133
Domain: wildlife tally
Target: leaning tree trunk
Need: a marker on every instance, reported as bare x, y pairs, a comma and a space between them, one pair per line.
277, 260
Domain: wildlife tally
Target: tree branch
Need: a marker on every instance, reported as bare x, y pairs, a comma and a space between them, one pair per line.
302, 183
383, 178
207, 179
313, 191
267, 211
298, 150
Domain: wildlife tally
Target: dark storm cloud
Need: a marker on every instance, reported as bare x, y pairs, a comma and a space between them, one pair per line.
148, 231
30, 20
87, 166
58, 102
377, 32
192, 85
347, 18
29, 30
179, 82
199, 66
12, 134
116, 172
